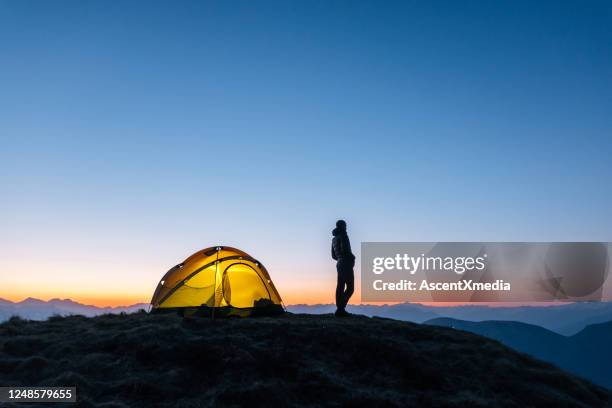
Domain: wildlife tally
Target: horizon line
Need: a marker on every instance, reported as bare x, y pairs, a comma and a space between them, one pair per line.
375, 304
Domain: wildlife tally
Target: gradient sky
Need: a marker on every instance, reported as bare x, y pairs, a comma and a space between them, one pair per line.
134, 133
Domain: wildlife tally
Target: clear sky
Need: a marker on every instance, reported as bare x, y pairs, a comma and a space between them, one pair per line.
134, 133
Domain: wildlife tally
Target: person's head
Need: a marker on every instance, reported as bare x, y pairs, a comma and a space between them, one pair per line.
341, 225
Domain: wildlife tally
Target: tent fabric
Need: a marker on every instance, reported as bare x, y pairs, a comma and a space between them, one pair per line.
218, 278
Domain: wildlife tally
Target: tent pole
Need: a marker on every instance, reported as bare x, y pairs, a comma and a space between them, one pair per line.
215, 287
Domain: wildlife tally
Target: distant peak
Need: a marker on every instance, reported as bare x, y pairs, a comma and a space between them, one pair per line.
32, 300
58, 300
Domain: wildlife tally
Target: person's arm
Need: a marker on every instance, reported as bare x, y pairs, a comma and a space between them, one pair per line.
345, 247
333, 253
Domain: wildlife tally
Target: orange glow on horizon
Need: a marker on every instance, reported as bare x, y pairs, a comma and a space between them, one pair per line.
107, 294
304, 297
92, 299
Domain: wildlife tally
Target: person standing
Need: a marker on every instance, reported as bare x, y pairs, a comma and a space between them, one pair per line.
341, 252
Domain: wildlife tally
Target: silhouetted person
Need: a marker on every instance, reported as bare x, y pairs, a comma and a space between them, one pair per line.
341, 252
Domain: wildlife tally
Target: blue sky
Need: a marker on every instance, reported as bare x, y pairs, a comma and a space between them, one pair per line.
134, 133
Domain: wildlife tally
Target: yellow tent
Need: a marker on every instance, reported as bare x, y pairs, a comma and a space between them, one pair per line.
218, 281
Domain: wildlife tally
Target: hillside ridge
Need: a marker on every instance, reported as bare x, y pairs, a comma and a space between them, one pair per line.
295, 360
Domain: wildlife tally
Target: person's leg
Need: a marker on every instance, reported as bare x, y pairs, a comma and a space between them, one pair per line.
349, 278
340, 288
345, 270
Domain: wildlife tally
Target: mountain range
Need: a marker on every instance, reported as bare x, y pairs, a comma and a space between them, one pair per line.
566, 319
36, 309
586, 353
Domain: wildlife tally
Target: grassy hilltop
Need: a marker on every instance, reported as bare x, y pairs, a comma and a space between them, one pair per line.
293, 360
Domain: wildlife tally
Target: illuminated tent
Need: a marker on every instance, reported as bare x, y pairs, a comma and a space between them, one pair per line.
218, 281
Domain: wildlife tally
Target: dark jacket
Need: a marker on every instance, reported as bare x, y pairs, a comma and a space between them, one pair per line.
341, 246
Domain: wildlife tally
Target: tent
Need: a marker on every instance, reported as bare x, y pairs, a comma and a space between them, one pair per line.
218, 281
